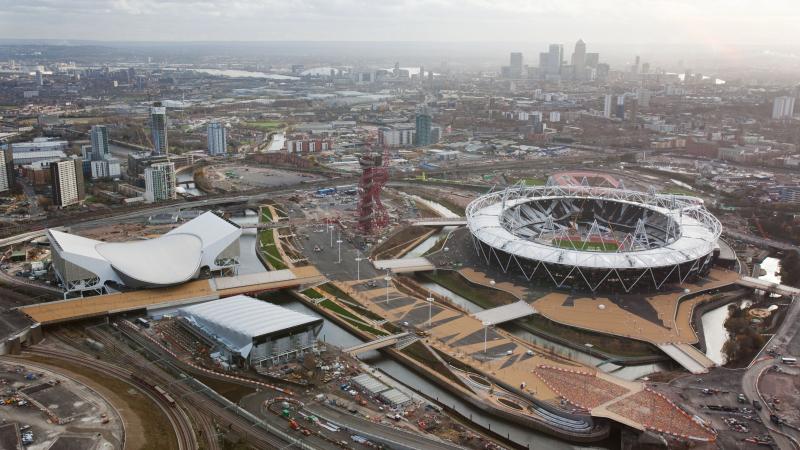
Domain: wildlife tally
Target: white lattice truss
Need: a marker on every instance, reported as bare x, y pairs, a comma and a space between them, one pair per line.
685, 250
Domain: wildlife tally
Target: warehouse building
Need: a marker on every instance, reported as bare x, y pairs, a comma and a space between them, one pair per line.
250, 332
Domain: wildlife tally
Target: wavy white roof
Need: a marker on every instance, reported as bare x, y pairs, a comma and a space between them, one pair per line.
173, 258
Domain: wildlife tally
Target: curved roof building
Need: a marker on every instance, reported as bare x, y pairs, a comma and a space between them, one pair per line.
594, 238
207, 242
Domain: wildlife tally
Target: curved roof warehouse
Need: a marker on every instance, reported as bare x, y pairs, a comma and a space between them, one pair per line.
207, 242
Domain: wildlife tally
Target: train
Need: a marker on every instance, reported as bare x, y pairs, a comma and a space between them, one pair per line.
164, 395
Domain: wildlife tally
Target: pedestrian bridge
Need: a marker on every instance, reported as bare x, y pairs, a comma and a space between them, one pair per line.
381, 342
439, 222
774, 288
506, 313
687, 356
404, 265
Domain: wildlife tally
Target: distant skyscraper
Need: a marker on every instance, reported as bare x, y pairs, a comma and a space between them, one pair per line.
515, 65
635, 67
159, 182
555, 59
158, 129
783, 107
5, 180
100, 149
39, 78
6, 171
607, 105
66, 178
579, 59
620, 106
643, 97
423, 131
217, 139
592, 59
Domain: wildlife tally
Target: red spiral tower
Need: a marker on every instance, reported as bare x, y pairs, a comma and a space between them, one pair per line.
372, 215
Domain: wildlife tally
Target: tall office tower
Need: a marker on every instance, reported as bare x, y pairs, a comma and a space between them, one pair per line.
100, 149
39, 78
421, 74
515, 65
423, 131
620, 106
66, 179
635, 67
5, 185
592, 59
579, 59
607, 105
6, 176
217, 139
158, 128
783, 107
645, 67
159, 182
643, 97
555, 59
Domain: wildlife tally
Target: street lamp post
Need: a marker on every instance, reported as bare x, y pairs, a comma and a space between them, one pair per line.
388, 280
339, 242
430, 309
486, 325
358, 268
330, 228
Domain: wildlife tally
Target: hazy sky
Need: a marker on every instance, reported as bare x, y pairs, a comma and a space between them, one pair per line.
708, 23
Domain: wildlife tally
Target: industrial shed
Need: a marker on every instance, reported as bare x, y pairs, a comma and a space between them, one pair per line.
251, 332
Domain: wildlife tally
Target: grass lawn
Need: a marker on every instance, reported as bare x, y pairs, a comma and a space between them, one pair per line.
266, 215
265, 125
612, 345
268, 248
482, 296
534, 181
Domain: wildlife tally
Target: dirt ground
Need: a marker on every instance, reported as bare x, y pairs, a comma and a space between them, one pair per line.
781, 390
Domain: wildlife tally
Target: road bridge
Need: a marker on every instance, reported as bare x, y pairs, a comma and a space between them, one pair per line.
689, 357
381, 342
192, 292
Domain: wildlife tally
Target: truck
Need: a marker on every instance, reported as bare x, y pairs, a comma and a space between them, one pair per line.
757, 405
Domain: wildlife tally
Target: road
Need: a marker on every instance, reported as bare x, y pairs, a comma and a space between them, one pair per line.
762, 242
373, 430
785, 341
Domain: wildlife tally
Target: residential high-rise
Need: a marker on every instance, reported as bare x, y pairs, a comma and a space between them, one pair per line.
6, 171
515, 66
217, 139
607, 105
66, 178
100, 149
423, 129
158, 129
579, 59
643, 97
620, 112
783, 107
159, 182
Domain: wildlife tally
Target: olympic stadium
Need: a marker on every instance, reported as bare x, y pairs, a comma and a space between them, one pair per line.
594, 238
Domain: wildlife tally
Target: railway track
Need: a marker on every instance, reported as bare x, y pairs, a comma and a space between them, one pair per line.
180, 422
201, 406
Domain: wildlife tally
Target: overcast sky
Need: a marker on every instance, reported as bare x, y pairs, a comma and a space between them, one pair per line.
707, 23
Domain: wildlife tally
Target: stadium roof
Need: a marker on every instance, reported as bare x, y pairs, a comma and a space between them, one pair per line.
236, 321
698, 230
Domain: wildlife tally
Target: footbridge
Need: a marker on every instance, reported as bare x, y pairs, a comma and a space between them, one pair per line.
439, 222
404, 265
689, 357
774, 288
505, 313
401, 340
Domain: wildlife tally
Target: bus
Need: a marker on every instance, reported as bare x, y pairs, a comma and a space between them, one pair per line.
789, 361
141, 321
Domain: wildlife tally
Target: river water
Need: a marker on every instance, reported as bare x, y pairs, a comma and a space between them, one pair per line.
714, 321
334, 334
